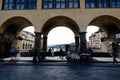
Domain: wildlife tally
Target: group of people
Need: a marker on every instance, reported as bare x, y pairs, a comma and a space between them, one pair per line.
72, 56
51, 52
75, 56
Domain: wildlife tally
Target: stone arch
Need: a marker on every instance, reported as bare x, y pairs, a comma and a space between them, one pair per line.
107, 23
109, 27
9, 30
18, 21
60, 21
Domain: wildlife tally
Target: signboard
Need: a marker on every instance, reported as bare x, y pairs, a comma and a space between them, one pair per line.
117, 35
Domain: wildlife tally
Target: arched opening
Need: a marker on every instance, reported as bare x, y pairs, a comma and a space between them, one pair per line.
11, 35
64, 23
109, 27
27, 44
59, 21
59, 37
90, 31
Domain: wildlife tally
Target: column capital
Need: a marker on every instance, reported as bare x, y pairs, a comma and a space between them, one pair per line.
82, 32
38, 33
44, 36
76, 36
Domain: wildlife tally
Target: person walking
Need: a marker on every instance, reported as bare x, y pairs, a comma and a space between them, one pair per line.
61, 54
90, 52
12, 54
114, 53
52, 51
18, 54
35, 57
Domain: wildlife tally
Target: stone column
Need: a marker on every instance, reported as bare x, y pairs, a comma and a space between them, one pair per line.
77, 43
38, 40
83, 46
44, 43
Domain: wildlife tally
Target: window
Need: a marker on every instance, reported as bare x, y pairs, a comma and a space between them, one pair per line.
106, 3
60, 3
49, 4
113, 3
31, 4
93, 4
23, 46
8, 4
19, 4
102, 3
118, 3
87, 3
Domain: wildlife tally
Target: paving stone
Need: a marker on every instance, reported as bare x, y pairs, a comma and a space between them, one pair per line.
74, 71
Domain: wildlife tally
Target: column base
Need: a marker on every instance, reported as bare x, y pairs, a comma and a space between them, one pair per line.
85, 57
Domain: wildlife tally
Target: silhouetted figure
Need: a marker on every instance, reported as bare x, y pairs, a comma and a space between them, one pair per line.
17, 54
90, 51
49, 52
68, 56
52, 51
35, 57
114, 53
13, 54
61, 53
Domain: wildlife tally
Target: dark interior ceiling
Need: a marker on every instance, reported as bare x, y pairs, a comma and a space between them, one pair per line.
108, 24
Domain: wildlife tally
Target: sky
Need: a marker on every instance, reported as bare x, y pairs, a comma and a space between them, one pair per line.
91, 30
60, 35
29, 29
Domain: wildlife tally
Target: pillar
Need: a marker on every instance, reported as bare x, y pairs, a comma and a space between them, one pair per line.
83, 46
38, 40
45, 44
77, 43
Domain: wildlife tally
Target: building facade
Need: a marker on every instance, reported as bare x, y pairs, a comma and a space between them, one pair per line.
97, 43
45, 15
27, 42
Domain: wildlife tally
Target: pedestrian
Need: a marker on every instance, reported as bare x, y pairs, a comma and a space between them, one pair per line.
52, 51
68, 56
61, 53
12, 54
35, 57
18, 54
49, 52
114, 53
90, 52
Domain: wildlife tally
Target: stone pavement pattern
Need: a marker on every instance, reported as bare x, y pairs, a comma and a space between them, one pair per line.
84, 71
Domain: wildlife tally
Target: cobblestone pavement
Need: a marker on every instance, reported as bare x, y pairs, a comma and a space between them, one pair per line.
59, 71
